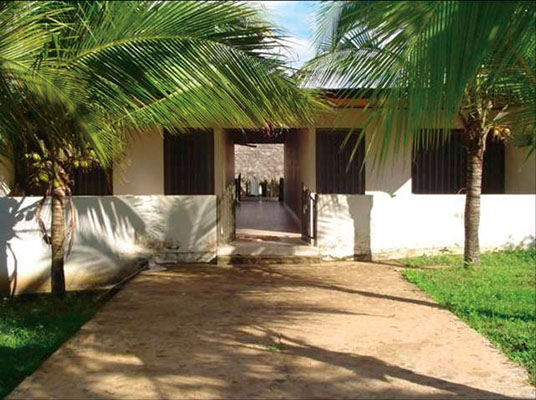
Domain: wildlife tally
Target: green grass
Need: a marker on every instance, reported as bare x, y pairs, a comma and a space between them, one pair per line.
33, 326
498, 299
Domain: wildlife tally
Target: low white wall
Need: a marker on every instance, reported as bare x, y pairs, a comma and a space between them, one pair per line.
402, 226
112, 232
343, 225
7, 176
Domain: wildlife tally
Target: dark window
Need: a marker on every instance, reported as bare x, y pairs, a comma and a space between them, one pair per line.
92, 182
334, 172
189, 163
493, 173
442, 170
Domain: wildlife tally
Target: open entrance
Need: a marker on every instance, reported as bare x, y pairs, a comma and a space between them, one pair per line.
261, 212
268, 172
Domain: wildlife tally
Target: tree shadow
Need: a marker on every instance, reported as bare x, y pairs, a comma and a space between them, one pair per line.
102, 224
112, 235
305, 282
201, 331
368, 368
12, 211
341, 217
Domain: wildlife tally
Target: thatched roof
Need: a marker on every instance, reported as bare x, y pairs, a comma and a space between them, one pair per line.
263, 162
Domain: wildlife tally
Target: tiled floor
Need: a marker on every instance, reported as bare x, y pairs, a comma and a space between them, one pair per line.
264, 215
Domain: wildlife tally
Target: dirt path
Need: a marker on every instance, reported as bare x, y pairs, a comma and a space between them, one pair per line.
338, 330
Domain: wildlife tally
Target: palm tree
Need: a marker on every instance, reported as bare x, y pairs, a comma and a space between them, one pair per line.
75, 75
429, 64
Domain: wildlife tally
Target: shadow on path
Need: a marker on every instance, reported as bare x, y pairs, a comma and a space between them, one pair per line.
243, 332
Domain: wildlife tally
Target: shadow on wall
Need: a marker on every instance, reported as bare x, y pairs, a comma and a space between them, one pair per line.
344, 225
12, 211
25, 261
188, 219
113, 234
178, 228
103, 249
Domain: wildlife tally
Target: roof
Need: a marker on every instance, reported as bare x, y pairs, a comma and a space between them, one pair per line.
264, 161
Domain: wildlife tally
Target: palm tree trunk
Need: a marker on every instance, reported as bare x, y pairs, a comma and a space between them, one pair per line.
475, 160
57, 275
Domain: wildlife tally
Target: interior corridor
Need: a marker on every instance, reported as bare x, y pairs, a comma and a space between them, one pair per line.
269, 218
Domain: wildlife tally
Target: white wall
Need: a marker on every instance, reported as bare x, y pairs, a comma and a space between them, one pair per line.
343, 225
410, 225
7, 176
142, 172
112, 232
403, 226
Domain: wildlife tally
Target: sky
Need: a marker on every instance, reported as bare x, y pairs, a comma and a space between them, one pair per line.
296, 18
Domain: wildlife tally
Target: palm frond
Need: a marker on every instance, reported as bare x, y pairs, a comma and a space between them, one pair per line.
112, 65
422, 57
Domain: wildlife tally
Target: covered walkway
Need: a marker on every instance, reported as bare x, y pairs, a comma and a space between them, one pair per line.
265, 218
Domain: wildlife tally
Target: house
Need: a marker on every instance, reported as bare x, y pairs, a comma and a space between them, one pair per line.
175, 197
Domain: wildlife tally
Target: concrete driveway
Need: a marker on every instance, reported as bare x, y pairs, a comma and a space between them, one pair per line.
338, 330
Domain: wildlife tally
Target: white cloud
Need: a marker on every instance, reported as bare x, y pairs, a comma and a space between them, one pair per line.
268, 5
296, 19
299, 50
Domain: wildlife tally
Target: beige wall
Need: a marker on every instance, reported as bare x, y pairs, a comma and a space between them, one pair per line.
307, 157
300, 166
389, 221
223, 160
293, 179
520, 172
223, 177
219, 161
393, 176
343, 118
143, 169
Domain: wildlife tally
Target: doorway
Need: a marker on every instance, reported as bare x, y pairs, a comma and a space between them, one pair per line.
261, 212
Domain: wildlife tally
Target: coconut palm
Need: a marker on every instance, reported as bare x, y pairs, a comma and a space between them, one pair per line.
75, 75
431, 64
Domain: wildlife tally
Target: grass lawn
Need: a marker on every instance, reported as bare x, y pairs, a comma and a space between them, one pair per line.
33, 326
498, 299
